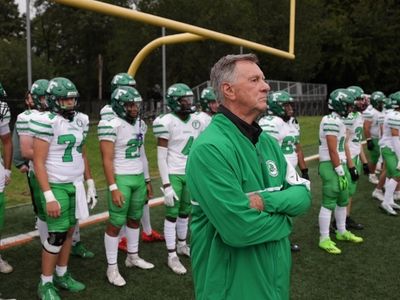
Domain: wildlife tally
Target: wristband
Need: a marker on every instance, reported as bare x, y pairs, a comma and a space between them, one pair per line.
147, 180
339, 170
113, 187
49, 196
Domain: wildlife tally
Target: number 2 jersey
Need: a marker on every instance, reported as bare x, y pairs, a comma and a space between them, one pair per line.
332, 124
64, 163
180, 135
354, 124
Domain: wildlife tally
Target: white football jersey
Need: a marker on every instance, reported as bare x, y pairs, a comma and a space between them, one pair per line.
354, 124
180, 135
5, 120
392, 120
332, 124
376, 117
128, 142
64, 163
203, 118
22, 123
286, 133
107, 113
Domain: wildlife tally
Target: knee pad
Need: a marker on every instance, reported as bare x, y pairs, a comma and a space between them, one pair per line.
54, 242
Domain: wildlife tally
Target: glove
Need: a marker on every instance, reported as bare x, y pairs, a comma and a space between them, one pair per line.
169, 196
304, 174
366, 169
370, 145
343, 183
354, 174
91, 194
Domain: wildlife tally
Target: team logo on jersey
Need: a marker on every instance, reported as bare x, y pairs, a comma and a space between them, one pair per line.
196, 124
79, 123
272, 168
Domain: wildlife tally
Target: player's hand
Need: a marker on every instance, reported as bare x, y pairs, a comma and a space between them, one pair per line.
304, 174
354, 174
117, 198
149, 189
343, 183
366, 169
53, 209
24, 169
370, 145
169, 196
91, 194
7, 176
256, 202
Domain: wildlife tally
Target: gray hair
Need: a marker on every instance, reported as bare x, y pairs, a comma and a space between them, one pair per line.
224, 71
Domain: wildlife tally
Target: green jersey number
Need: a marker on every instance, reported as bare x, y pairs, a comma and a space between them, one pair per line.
358, 135
287, 145
186, 149
341, 144
69, 140
133, 149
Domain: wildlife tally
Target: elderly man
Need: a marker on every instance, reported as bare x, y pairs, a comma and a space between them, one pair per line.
242, 207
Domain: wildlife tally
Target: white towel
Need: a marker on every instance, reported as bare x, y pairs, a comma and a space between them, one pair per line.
81, 208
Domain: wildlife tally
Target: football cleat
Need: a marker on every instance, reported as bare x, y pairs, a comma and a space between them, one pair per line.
329, 246
395, 206
349, 237
68, 283
123, 245
114, 277
47, 291
155, 236
350, 223
176, 266
183, 250
388, 209
373, 178
378, 194
133, 260
80, 250
5, 267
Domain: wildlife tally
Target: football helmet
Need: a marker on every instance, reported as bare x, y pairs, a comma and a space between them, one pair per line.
59, 90
395, 100
277, 102
122, 79
207, 95
120, 99
175, 93
3, 94
357, 91
340, 100
377, 100
38, 91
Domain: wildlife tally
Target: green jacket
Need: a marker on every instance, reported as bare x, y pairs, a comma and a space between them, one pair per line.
238, 252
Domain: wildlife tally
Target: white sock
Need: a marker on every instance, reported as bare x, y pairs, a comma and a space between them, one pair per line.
43, 230
60, 271
76, 237
390, 187
146, 225
111, 245
170, 234
340, 216
46, 279
122, 232
172, 254
182, 228
324, 220
132, 238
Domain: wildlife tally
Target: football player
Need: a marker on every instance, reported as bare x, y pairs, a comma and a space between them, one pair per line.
333, 171
60, 165
209, 106
175, 132
5, 166
281, 124
127, 173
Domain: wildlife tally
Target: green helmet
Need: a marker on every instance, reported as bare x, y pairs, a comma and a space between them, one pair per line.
377, 100
395, 100
277, 101
38, 90
3, 94
120, 97
387, 103
174, 93
357, 91
122, 79
62, 88
207, 95
339, 101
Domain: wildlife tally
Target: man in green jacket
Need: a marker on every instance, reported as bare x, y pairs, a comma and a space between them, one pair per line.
242, 207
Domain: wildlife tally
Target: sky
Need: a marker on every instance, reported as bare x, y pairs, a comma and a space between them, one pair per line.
22, 6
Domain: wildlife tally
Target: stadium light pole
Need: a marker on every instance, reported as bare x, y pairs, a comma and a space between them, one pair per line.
28, 44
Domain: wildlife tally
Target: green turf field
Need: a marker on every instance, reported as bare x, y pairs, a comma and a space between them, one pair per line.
365, 271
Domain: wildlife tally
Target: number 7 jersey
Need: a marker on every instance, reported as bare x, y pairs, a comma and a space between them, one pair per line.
180, 135
332, 125
64, 161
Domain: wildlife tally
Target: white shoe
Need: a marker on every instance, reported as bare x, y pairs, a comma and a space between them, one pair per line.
378, 194
373, 178
176, 266
396, 196
5, 267
395, 206
133, 260
388, 208
114, 277
183, 250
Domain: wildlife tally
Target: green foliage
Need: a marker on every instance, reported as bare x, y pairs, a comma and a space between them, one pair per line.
11, 24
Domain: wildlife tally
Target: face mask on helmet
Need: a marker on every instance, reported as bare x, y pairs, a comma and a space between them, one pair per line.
208, 100
62, 97
3, 94
280, 104
125, 102
341, 101
395, 100
180, 99
377, 100
39, 95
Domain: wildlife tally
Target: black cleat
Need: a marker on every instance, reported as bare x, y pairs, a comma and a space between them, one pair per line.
351, 224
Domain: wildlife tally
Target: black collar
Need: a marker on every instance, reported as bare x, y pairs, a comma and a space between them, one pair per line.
252, 132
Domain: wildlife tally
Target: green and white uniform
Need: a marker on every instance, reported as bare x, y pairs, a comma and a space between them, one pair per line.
130, 166
180, 135
4, 129
333, 125
107, 113
376, 117
203, 118
64, 163
238, 252
392, 121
